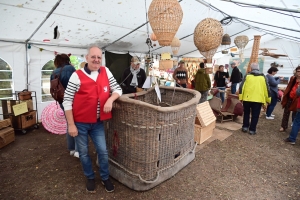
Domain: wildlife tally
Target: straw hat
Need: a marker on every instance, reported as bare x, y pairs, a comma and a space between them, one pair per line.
53, 119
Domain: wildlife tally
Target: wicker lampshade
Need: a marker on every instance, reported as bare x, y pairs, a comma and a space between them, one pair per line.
241, 41
175, 45
165, 64
153, 37
165, 18
209, 54
226, 40
208, 35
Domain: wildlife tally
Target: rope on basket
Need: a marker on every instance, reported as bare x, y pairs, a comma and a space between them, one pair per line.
158, 173
116, 143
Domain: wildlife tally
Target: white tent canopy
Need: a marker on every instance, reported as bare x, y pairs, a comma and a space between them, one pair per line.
122, 26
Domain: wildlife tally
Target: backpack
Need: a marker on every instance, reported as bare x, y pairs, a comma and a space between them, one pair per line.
57, 90
241, 77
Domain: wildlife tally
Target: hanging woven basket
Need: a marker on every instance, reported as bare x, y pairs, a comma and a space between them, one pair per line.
208, 34
226, 40
209, 54
175, 45
153, 37
165, 18
241, 41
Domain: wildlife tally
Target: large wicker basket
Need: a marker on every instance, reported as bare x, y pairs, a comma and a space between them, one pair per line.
148, 142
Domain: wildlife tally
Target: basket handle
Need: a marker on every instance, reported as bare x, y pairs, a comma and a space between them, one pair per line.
158, 173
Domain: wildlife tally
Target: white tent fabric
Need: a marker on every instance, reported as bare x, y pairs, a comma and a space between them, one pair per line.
121, 26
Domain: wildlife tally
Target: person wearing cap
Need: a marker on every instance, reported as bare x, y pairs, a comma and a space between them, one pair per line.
253, 92
88, 101
235, 77
133, 77
180, 75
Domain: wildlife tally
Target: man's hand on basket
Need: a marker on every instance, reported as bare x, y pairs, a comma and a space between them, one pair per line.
108, 106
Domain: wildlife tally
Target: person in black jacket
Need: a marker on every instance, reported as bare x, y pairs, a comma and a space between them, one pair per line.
235, 77
133, 77
220, 78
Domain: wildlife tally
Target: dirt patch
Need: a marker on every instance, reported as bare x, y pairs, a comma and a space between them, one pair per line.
38, 166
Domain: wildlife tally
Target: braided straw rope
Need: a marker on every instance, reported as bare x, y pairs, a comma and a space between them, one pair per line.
165, 18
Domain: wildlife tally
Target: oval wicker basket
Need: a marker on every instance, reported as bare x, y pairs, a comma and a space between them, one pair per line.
148, 142
208, 34
175, 45
165, 18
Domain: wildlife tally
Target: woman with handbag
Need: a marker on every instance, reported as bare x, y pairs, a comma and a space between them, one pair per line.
220, 82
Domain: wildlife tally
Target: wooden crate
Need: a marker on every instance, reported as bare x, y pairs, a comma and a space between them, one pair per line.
5, 123
7, 133
23, 121
203, 133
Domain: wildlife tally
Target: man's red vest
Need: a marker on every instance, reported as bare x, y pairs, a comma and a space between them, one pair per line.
86, 99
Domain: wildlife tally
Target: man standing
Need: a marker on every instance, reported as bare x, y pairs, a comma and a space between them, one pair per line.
133, 77
87, 104
180, 75
235, 77
254, 92
202, 83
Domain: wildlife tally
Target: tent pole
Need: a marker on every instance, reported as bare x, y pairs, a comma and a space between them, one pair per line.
263, 6
129, 33
289, 29
26, 41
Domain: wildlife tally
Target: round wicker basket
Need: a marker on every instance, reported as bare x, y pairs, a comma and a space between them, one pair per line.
165, 18
208, 35
226, 40
175, 45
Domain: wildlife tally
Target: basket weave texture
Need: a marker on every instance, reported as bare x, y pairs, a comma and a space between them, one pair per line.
145, 137
165, 18
208, 35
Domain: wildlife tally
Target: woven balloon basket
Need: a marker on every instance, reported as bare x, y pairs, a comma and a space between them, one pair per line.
149, 142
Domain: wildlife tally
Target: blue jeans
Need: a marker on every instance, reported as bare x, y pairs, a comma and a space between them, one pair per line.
273, 103
97, 134
295, 128
253, 108
71, 144
233, 88
221, 95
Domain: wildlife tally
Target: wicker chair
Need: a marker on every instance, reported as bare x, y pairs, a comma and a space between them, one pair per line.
148, 142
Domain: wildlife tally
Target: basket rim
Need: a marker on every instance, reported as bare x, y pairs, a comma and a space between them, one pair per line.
127, 98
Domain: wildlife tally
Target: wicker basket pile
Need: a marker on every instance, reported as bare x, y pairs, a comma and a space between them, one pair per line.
148, 142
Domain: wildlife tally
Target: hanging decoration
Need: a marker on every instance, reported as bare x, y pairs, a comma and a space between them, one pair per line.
175, 45
165, 18
29, 46
153, 37
207, 37
55, 53
241, 41
41, 49
226, 41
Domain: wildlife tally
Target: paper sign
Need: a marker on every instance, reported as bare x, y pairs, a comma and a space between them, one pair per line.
20, 108
157, 92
